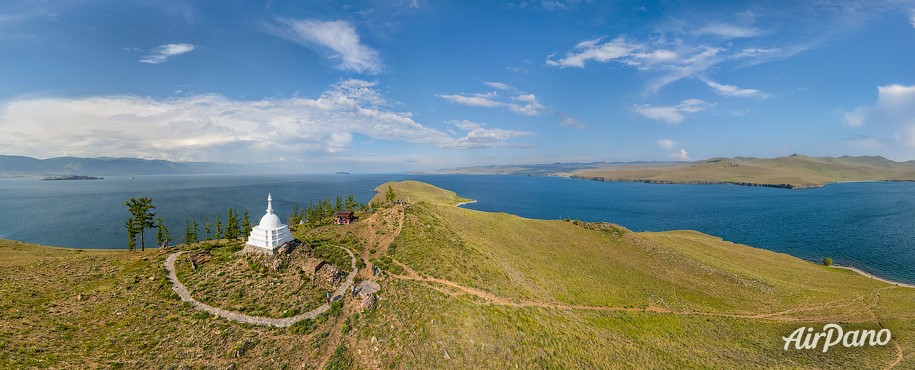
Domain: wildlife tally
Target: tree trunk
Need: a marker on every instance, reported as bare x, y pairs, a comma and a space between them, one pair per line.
142, 243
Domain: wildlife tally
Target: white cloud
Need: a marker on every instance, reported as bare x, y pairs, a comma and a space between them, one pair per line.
728, 31
666, 144
731, 90
498, 85
594, 50
912, 18
473, 100
216, 128
339, 37
163, 52
567, 120
477, 136
528, 104
894, 111
672, 114
682, 155
669, 61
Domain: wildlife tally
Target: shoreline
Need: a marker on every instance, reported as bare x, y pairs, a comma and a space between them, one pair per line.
872, 276
463, 203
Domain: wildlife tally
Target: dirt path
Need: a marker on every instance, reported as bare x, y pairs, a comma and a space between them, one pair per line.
454, 289
185, 295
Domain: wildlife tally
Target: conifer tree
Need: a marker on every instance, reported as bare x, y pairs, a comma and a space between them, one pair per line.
142, 217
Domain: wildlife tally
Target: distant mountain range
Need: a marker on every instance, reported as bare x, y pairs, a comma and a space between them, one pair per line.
11, 166
795, 171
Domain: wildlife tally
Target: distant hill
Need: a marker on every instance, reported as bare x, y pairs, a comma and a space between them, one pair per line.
795, 171
62, 166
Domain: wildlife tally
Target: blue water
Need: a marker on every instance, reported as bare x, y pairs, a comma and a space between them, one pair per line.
868, 225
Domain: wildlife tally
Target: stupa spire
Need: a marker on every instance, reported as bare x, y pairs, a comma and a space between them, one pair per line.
269, 204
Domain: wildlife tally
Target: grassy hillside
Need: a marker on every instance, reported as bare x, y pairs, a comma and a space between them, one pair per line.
794, 171
463, 289
496, 290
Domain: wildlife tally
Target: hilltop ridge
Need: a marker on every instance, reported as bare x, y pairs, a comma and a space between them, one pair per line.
793, 172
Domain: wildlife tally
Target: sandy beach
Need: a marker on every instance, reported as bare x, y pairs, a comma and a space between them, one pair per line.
862, 272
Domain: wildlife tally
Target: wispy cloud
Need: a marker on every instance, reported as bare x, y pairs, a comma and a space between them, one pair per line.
162, 53
671, 114
728, 31
666, 143
498, 85
478, 137
567, 120
894, 111
731, 90
597, 51
216, 128
912, 18
668, 62
521, 103
336, 38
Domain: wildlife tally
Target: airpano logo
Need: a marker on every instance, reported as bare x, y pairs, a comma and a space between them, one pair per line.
832, 335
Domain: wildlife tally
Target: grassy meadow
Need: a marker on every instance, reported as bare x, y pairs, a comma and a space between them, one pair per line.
460, 289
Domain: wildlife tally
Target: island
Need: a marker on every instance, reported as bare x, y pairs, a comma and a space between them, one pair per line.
71, 177
342, 173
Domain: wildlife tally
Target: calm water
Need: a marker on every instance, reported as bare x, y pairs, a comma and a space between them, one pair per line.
868, 225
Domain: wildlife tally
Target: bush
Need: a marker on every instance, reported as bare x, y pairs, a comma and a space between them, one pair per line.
339, 360
303, 327
827, 261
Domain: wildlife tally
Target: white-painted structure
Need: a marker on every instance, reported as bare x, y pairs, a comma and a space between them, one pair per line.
270, 234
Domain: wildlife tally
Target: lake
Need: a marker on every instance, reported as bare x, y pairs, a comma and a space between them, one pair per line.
867, 225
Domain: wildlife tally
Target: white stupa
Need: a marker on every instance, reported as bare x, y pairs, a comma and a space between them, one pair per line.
270, 234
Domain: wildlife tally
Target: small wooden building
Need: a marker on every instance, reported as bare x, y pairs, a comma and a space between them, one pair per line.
344, 217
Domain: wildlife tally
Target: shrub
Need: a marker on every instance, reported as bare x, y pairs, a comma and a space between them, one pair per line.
827, 261
303, 327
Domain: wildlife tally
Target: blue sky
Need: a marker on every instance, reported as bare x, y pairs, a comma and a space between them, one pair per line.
379, 86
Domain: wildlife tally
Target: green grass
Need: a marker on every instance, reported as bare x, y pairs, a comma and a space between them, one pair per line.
795, 170
573, 263
65, 308
249, 285
418, 192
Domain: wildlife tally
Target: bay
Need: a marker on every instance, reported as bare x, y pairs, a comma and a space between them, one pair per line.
867, 225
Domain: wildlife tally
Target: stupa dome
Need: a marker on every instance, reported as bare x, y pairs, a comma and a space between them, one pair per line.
270, 233
270, 221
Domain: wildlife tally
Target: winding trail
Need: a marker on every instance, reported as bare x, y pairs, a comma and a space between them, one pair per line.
185, 295
454, 289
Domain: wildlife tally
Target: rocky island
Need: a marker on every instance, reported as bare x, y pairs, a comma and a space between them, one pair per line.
71, 177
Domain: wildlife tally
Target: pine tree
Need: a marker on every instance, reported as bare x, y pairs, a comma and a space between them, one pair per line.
206, 228
351, 203
391, 195
231, 225
246, 223
162, 237
188, 235
131, 234
338, 205
218, 228
194, 237
142, 217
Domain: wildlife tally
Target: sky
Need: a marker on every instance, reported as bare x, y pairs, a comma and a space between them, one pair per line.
400, 85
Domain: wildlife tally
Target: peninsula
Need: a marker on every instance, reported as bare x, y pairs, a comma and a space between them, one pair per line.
525, 292
791, 172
